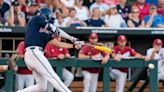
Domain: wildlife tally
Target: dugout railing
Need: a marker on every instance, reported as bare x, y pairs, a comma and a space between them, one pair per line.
137, 63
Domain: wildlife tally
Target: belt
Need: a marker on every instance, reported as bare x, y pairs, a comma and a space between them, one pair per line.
34, 48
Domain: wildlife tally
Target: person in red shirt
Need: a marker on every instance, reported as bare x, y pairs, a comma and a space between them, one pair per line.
121, 51
143, 8
24, 77
160, 7
55, 52
91, 74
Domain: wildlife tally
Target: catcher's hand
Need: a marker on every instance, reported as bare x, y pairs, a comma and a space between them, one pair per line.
12, 63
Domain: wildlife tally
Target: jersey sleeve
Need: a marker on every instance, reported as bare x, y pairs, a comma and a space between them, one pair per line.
41, 21
65, 51
84, 50
132, 52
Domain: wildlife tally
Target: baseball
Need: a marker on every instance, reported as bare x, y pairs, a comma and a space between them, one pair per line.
151, 66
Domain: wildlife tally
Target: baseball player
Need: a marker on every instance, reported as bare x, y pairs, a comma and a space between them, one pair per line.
157, 53
40, 31
55, 52
121, 51
24, 77
91, 74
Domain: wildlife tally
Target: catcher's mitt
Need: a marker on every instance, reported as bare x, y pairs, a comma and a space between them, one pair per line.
12, 63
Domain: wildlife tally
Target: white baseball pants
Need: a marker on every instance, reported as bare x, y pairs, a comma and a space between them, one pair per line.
90, 81
67, 77
42, 71
120, 78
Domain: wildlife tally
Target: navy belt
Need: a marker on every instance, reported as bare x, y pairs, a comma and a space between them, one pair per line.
35, 47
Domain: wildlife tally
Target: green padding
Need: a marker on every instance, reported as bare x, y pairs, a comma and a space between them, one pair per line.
134, 63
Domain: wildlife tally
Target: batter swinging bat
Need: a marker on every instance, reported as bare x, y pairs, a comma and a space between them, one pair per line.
100, 48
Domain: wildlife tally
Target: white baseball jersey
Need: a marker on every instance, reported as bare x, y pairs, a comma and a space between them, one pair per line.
158, 56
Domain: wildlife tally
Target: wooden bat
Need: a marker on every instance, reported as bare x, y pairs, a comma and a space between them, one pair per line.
100, 48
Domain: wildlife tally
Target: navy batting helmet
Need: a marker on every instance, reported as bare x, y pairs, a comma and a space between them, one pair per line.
47, 13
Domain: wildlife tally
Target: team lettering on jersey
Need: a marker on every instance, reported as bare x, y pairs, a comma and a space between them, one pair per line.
44, 30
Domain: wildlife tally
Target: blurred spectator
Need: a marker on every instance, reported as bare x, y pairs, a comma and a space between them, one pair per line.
134, 20
161, 7
24, 77
88, 3
82, 11
113, 19
110, 2
72, 20
123, 9
59, 53
15, 17
100, 5
91, 74
61, 7
155, 2
157, 53
51, 7
23, 5
95, 20
4, 7
143, 8
31, 11
68, 3
154, 19
121, 51
41, 3
59, 22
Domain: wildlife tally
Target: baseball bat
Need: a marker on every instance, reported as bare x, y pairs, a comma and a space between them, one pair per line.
100, 48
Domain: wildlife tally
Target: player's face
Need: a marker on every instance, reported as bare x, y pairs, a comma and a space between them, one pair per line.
135, 12
93, 41
96, 12
123, 1
73, 13
122, 44
113, 11
141, 1
1, 2
153, 9
157, 46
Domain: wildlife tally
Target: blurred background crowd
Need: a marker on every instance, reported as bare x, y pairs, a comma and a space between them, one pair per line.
97, 13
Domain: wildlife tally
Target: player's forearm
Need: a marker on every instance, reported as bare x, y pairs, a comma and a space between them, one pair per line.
139, 56
61, 44
82, 56
64, 34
